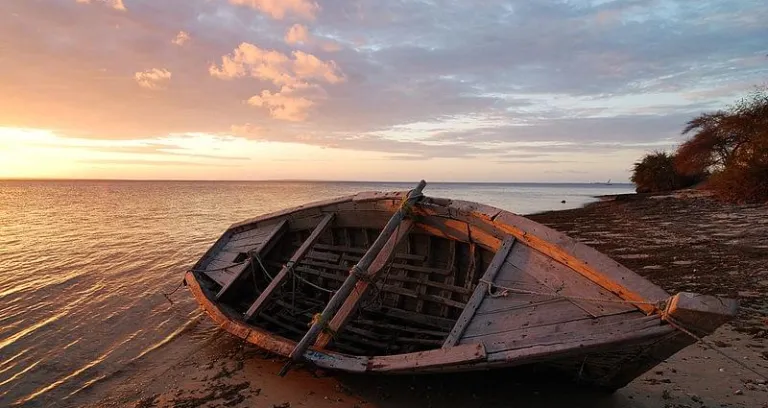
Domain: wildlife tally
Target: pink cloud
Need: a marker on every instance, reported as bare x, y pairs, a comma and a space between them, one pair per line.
115, 4
283, 105
154, 78
297, 34
297, 76
181, 38
278, 9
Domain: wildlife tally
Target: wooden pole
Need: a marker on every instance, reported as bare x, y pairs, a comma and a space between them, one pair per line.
349, 284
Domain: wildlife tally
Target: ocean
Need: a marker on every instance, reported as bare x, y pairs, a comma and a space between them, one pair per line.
84, 265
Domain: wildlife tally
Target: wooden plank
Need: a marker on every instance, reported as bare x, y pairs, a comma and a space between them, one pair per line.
479, 294
414, 318
224, 276
564, 281
585, 260
554, 333
297, 211
346, 288
512, 277
430, 358
421, 290
422, 296
352, 364
274, 235
701, 314
259, 232
450, 279
580, 345
350, 304
352, 250
270, 341
445, 228
283, 274
532, 316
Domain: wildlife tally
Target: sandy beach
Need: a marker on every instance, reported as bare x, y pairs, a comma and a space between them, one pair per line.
682, 242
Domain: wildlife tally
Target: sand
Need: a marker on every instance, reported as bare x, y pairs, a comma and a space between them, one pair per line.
681, 242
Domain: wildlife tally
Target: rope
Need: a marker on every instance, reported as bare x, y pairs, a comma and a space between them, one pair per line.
168, 294
677, 325
506, 291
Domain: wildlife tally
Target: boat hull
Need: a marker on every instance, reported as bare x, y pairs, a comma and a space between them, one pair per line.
461, 287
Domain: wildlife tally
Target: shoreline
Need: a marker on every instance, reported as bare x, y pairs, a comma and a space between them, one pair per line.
678, 241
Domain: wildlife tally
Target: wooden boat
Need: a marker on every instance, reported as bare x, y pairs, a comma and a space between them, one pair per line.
403, 283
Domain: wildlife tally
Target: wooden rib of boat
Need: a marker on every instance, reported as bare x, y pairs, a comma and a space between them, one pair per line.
398, 283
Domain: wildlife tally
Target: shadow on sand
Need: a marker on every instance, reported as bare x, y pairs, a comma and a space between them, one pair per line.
496, 388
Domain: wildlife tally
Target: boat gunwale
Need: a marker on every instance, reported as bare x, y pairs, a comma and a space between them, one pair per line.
610, 274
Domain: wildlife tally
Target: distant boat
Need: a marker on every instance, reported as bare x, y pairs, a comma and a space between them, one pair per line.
608, 182
402, 283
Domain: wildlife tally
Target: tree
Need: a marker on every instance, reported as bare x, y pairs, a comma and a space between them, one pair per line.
656, 172
733, 145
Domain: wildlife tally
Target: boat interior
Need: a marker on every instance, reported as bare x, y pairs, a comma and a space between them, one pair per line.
411, 306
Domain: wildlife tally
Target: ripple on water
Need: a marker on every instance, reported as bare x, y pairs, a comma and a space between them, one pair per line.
82, 266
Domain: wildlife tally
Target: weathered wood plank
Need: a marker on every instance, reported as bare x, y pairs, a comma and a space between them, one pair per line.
512, 277
449, 280
294, 211
352, 301
701, 314
430, 358
352, 250
224, 276
283, 274
585, 260
275, 234
554, 333
269, 341
480, 291
414, 318
346, 288
537, 315
582, 344
564, 281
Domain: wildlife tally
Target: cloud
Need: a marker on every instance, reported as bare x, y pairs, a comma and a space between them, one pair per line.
299, 34
283, 105
115, 4
279, 9
412, 79
248, 60
154, 78
181, 38
297, 77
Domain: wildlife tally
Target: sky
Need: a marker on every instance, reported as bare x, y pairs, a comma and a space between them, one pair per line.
363, 89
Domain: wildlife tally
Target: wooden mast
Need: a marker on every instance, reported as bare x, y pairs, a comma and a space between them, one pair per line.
356, 273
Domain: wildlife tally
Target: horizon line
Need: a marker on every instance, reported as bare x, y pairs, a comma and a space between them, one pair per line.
306, 181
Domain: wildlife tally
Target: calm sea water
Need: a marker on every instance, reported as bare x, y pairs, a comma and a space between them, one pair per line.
83, 265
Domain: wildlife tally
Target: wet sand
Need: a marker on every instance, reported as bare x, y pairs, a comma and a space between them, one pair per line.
681, 242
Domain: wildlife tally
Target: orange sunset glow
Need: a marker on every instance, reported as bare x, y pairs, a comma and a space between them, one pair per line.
256, 89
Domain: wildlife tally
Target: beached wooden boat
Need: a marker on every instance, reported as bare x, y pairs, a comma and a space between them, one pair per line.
399, 283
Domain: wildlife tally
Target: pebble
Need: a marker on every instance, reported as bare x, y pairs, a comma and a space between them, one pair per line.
738, 392
695, 398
